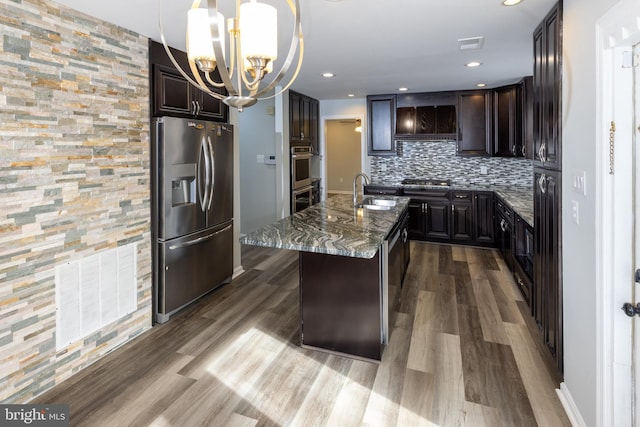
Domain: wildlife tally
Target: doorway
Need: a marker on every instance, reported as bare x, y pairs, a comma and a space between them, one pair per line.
343, 144
619, 214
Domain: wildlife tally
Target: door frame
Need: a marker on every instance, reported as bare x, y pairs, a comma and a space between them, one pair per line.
323, 146
615, 29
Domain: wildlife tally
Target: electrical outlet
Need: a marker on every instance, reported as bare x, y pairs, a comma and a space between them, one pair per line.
575, 212
383, 167
483, 170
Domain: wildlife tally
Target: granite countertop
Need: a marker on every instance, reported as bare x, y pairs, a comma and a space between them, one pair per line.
332, 227
520, 199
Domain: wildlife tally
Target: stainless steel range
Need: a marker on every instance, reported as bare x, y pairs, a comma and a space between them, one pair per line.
426, 181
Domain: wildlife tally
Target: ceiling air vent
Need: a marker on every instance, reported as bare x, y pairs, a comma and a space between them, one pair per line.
471, 43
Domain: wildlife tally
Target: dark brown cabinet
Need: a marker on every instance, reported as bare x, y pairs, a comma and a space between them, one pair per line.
512, 120
461, 216
474, 123
547, 78
432, 121
547, 112
381, 111
437, 219
523, 257
303, 120
504, 224
454, 216
506, 123
547, 303
484, 230
173, 95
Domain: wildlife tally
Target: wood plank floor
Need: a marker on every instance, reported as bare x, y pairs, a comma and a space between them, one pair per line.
463, 351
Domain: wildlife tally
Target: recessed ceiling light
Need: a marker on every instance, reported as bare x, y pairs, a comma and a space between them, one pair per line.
481, 84
403, 89
473, 64
328, 75
351, 95
511, 2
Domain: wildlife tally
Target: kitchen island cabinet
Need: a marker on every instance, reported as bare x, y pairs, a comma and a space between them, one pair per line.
348, 280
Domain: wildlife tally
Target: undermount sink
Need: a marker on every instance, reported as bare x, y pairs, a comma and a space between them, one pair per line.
378, 204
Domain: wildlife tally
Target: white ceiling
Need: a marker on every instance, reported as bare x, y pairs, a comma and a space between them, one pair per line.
373, 46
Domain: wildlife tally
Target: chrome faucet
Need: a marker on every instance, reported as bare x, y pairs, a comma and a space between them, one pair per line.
365, 180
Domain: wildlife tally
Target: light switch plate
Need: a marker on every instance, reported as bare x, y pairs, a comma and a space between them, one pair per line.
579, 182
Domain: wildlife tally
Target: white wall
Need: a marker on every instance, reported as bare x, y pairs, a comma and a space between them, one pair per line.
579, 154
343, 108
257, 135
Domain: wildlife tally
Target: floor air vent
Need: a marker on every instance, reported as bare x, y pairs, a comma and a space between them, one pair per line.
93, 292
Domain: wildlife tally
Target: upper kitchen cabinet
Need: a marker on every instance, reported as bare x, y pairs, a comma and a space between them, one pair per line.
547, 69
506, 123
429, 115
512, 120
173, 95
303, 120
474, 123
381, 111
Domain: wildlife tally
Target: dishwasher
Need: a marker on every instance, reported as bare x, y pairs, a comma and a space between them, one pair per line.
397, 255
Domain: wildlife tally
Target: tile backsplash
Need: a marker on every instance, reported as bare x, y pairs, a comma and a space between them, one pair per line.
438, 159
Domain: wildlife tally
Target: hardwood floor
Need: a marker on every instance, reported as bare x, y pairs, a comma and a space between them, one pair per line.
463, 351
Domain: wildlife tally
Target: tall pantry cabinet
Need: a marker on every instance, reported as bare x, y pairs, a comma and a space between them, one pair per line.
547, 134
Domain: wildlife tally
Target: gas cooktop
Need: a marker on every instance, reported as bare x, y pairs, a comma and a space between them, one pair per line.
426, 181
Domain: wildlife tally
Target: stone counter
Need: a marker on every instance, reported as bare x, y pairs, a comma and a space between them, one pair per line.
332, 227
520, 199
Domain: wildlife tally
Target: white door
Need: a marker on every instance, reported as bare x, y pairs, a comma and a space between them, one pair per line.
618, 216
635, 349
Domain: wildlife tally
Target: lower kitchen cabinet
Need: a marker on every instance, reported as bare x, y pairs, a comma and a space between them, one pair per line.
504, 223
484, 218
547, 295
437, 219
463, 217
523, 257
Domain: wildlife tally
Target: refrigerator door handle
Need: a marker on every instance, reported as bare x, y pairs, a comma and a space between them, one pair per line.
212, 171
201, 194
206, 202
199, 239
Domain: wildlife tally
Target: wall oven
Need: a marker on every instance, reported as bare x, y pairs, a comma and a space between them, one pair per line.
301, 167
301, 198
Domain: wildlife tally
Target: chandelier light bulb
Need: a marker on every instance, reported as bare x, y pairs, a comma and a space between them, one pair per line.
253, 50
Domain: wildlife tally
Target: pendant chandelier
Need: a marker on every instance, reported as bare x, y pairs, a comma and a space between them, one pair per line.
253, 49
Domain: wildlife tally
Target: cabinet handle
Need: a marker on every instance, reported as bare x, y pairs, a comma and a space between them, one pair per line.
543, 148
524, 151
193, 107
302, 135
453, 209
542, 183
462, 197
197, 108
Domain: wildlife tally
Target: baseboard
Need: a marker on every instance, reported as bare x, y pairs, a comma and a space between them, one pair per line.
237, 272
570, 406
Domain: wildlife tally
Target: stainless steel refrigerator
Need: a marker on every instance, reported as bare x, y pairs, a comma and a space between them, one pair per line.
192, 210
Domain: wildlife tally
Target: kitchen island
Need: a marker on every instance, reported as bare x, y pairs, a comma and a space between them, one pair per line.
351, 260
